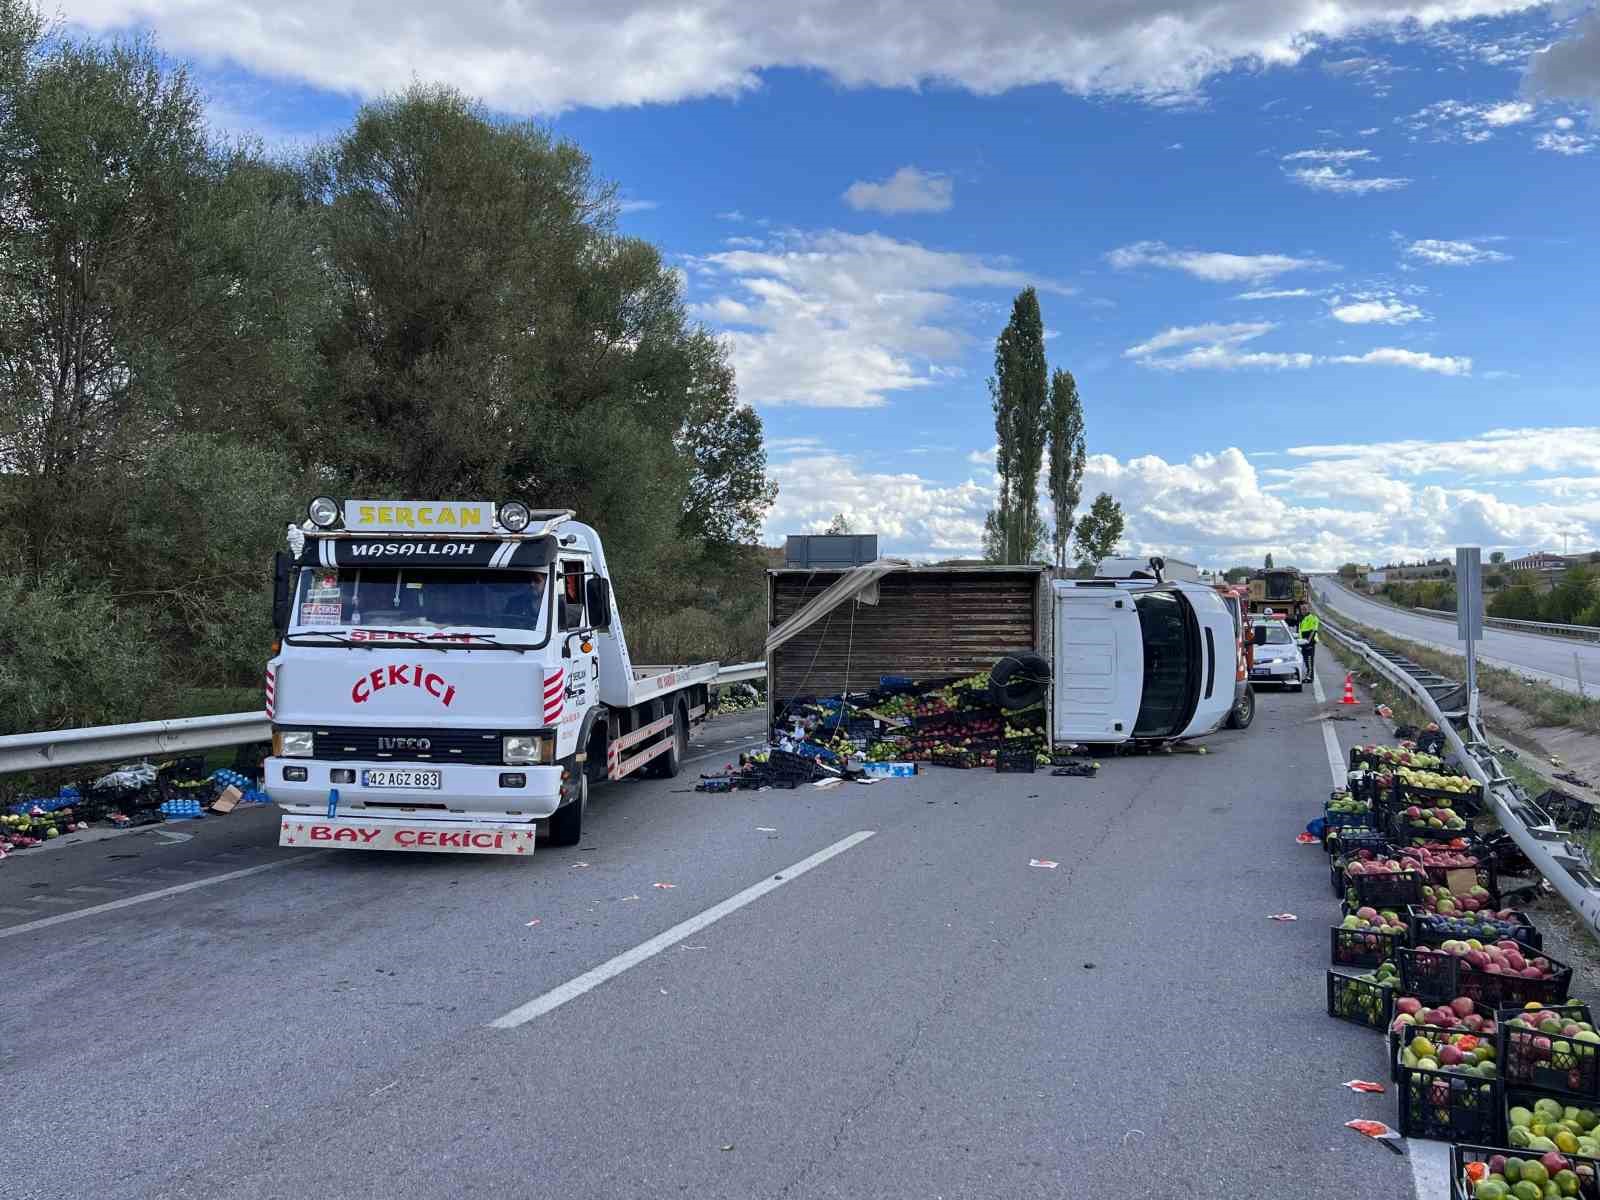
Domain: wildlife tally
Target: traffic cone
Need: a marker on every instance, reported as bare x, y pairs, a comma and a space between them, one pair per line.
1349, 688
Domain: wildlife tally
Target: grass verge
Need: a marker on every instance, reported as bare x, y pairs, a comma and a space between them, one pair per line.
1542, 703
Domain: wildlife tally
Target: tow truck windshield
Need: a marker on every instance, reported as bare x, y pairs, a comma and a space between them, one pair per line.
331, 598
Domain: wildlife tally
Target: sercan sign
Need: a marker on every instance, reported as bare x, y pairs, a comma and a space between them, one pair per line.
419, 516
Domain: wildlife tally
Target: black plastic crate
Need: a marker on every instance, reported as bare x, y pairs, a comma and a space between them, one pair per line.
1019, 760
1530, 1058
1522, 929
1467, 804
1461, 1187
1395, 1037
1349, 820
1361, 947
1446, 1106
1435, 976
1359, 1001
1387, 889
1398, 825
1351, 841
962, 760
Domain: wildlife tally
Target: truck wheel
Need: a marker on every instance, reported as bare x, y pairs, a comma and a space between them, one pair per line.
566, 823
669, 764
1244, 709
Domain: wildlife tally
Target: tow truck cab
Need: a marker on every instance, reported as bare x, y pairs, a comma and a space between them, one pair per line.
1140, 657
452, 675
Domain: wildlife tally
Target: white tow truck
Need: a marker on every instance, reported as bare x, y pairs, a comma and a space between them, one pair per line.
452, 675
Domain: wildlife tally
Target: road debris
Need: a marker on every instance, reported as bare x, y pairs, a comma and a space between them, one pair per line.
664, 886
1362, 1085
1046, 863
532, 923
1282, 917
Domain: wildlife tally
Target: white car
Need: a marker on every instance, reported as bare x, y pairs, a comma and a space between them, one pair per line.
1277, 656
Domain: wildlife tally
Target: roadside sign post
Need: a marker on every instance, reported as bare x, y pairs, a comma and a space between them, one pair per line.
1469, 615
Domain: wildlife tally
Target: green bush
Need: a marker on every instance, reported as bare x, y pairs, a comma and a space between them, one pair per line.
69, 656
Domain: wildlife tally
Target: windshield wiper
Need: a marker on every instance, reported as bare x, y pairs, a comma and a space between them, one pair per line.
337, 639
447, 643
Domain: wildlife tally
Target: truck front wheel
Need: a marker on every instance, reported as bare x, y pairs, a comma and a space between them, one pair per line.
566, 823
1244, 709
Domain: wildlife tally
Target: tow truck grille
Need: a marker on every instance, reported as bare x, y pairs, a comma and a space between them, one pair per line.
478, 746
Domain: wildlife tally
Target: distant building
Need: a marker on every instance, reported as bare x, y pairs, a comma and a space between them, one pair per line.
1538, 561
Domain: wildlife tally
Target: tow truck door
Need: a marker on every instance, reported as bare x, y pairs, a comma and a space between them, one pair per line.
1099, 664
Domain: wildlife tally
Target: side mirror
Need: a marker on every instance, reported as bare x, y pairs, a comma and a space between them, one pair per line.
281, 568
1258, 635
599, 602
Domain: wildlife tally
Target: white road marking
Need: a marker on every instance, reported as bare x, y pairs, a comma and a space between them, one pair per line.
146, 897
52, 900
1330, 739
610, 969
99, 890
174, 838
1430, 1161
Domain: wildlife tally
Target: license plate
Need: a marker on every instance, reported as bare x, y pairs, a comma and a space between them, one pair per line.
397, 777
347, 833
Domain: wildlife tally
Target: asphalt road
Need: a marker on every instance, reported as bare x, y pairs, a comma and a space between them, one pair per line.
920, 1014
1553, 660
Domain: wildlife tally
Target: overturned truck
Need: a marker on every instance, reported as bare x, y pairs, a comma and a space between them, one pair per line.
1133, 656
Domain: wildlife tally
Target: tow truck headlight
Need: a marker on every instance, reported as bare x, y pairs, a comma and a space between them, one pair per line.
323, 511
292, 743
519, 749
514, 515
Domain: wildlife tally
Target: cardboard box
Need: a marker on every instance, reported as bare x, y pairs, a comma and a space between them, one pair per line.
226, 802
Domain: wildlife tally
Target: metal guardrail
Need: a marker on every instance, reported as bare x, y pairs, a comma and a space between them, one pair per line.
1565, 864
1587, 633
107, 743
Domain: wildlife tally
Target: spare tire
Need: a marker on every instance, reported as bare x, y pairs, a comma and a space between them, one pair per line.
1019, 680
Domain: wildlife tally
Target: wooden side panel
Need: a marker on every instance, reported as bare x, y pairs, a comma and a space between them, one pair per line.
925, 624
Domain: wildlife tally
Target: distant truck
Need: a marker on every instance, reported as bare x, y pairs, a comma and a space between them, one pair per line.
452, 676
1280, 591
1132, 654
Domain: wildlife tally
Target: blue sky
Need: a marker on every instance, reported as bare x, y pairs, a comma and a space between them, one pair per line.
1327, 280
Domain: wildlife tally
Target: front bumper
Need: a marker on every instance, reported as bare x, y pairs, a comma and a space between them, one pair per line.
1277, 672
465, 793
387, 833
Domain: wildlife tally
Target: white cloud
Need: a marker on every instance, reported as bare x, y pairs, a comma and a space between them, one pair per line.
1275, 294
1390, 356
909, 512
1453, 254
1215, 348
907, 190
1211, 265
1329, 504
1563, 122
544, 56
1175, 146
1220, 348
1570, 144
1457, 120
1189, 334
733, 214
1375, 312
630, 206
842, 320
1368, 132
1338, 156
1345, 183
